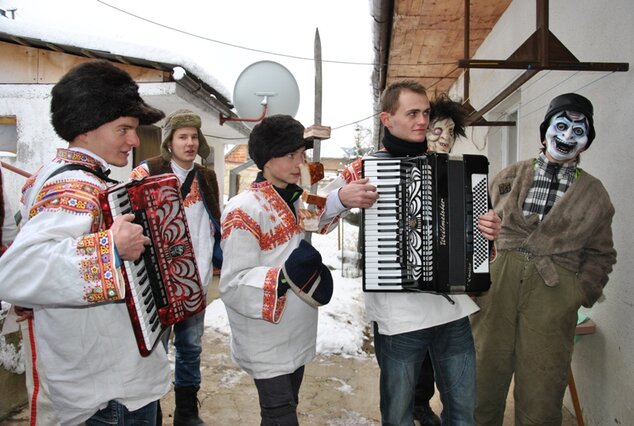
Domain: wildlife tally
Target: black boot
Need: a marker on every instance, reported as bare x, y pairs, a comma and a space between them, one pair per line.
426, 416
186, 411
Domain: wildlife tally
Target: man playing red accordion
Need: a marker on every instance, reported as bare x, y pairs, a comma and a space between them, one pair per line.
65, 265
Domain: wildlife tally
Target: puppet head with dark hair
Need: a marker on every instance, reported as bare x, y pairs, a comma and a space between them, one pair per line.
446, 122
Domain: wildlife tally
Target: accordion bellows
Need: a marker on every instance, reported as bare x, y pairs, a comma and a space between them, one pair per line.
163, 287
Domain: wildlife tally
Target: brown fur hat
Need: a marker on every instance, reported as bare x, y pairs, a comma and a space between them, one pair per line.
177, 120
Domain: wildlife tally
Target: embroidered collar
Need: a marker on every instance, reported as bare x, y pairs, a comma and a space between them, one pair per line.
289, 194
82, 156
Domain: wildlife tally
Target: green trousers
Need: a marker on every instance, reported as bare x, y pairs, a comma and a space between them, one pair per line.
526, 329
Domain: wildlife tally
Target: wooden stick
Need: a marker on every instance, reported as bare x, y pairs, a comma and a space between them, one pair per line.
575, 398
15, 169
318, 93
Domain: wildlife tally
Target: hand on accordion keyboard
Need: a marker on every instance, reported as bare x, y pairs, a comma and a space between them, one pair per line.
128, 237
490, 225
358, 194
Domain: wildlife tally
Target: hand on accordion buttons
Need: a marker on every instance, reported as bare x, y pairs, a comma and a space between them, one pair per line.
128, 237
304, 273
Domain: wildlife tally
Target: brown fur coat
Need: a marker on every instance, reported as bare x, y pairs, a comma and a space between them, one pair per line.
576, 234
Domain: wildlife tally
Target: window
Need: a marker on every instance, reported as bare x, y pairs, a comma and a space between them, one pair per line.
8, 136
150, 137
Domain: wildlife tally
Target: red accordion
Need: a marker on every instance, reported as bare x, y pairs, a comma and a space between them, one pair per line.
163, 286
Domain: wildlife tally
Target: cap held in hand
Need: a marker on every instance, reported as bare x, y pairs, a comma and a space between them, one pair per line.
304, 273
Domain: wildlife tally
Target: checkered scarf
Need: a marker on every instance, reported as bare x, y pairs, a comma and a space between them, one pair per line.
550, 182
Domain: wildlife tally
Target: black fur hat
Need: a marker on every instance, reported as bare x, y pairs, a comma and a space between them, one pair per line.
276, 136
94, 93
569, 102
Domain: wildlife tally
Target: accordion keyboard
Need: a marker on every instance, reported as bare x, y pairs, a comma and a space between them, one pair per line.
421, 234
383, 228
138, 274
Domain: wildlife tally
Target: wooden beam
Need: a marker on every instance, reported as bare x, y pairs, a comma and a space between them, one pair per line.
537, 65
8, 120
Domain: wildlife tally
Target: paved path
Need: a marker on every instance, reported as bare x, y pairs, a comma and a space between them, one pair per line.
336, 391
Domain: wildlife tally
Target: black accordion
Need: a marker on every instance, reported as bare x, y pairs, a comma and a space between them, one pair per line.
421, 234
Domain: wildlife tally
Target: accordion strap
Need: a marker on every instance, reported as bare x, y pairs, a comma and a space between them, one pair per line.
187, 185
99, 173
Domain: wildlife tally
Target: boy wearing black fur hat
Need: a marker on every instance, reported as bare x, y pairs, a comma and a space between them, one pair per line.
65, 264
183, 140
272, 280
554, 254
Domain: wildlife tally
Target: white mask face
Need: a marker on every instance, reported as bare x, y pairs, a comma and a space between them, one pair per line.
440, 135
567, 135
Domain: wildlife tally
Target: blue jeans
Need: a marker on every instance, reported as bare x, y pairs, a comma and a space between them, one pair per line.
188, 344
400, 358
117, 414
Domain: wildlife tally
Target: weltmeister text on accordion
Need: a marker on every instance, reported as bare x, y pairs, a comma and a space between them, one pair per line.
421, 234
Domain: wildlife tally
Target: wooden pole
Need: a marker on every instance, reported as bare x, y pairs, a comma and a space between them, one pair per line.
15, 169
318, 92
318, 98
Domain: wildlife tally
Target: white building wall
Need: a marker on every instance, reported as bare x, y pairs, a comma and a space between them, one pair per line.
594, 31
37, 141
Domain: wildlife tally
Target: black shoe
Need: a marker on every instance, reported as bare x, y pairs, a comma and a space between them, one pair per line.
426, 416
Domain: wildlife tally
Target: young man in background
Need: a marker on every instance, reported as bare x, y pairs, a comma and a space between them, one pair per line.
183, 141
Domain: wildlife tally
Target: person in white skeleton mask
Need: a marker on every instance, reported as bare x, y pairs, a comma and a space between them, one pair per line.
567, 135
554, 254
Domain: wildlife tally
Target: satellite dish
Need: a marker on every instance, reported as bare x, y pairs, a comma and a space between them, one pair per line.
265, 88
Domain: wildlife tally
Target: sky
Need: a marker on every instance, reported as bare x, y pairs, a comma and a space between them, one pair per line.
218, 40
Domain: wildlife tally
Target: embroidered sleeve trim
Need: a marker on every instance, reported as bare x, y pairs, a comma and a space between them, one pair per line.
353, 171
280, 234
272, 306
139, 172
80, 198
97, 268
239, 219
